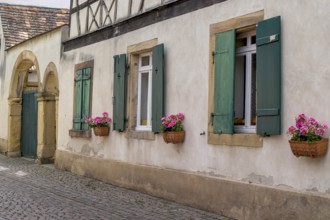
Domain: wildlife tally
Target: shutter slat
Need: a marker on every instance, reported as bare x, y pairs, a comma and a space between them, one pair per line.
224, 76
269, 77
119, 97
86, 97
157, 87
78, 99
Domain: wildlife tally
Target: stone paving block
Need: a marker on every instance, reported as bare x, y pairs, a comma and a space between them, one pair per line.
32, 191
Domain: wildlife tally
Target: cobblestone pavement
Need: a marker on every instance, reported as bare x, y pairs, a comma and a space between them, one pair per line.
32, 191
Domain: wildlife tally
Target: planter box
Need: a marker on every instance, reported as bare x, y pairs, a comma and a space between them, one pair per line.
174, 137
101, 131
309, 149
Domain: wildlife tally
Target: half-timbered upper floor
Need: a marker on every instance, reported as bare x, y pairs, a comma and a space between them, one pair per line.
93, 21
90, 15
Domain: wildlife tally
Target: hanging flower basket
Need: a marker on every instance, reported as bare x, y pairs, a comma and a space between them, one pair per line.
101, 131
173, 128
174, 137
306, 137
100, 124
309, 149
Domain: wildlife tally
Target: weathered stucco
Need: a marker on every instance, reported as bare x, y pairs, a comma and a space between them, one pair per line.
44, 52
186, 40
253, 177
239, 200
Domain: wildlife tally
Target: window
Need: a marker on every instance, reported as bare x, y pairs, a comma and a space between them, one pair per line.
82, 94
142, 90
245, 79
245, 83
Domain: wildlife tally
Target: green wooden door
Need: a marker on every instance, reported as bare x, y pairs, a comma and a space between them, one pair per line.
29, 125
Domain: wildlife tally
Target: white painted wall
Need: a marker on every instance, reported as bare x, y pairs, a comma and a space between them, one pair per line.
47, 48
305, 77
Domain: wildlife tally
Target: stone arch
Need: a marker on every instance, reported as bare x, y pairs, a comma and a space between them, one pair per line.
48, 114
50, 82
26, 63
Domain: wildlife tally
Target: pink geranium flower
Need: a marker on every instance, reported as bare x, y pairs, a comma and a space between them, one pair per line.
103, 121
306, 129
172, 122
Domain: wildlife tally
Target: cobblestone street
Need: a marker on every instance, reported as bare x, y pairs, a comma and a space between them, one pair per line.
32, 191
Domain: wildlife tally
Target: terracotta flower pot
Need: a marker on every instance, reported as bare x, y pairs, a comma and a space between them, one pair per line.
174, 137
309, 149
101, 131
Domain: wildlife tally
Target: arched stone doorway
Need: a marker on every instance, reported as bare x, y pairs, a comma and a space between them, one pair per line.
22, 123
47, 118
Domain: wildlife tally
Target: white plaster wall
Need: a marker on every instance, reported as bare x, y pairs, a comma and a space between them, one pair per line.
47, 48
305, 74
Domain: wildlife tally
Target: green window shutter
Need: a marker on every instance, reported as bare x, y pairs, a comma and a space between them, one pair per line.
86, 97
157, 87
224, 81
78, 101
269, 77
119, 93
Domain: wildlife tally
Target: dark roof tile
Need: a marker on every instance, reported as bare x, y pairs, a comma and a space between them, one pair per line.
24, 22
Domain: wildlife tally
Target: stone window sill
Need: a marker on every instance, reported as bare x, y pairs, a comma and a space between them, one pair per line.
243, 140
80, 133
141, 135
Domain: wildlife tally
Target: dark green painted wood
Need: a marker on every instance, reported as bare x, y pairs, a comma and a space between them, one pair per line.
78, 100
119, 93
158, 72
82, 98
29, 125
224, 80
86, 97
269, 77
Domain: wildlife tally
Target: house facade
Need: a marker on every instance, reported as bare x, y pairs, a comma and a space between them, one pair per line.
30, 53
240, 71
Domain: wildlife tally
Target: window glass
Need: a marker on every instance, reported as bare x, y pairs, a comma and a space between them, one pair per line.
253, 39
144, 93
240, 90
144, 99
253, 90
241, 42
145, 61
245, 83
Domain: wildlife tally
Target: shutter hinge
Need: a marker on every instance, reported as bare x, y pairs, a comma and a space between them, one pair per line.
113, 100
213, 54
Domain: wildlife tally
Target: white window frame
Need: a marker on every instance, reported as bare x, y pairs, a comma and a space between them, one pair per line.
144, 70
248, 52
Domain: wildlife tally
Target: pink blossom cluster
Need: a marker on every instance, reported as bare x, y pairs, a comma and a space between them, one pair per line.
307, 128
103, 121
173, 122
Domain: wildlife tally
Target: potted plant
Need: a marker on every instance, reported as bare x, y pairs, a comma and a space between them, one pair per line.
173, 131
100, 125
306, 137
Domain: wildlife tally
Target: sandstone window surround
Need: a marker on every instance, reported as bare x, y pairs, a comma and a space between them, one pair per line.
128, 85
82, 99
223, 57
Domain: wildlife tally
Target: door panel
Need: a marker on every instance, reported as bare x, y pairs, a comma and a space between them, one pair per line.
29, 125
